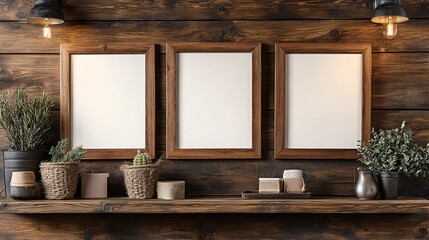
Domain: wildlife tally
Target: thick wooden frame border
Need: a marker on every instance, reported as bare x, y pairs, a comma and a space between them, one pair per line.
281, 49
65, 116
175, 153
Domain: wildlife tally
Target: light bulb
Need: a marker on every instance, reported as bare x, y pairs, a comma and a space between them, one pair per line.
391, 28
47, 31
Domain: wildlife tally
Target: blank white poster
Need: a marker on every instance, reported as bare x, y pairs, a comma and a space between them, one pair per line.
214, 100
108, 101
323, 101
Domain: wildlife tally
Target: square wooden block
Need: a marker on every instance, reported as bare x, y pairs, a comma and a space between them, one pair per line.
270, 185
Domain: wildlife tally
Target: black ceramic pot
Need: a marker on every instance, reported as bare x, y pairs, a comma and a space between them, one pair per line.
15, 161
388, 183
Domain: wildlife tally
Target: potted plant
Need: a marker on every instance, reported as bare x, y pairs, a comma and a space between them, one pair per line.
140, 178
61, 174
390, 152
27, 123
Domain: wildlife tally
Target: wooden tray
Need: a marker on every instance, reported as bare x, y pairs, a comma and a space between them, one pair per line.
257, 195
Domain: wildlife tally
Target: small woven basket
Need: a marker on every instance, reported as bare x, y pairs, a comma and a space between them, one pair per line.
140, 180
59, 179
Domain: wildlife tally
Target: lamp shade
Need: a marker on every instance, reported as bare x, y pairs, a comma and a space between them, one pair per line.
385, 9
46, 12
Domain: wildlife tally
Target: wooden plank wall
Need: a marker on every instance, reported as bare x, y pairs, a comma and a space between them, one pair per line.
400, 70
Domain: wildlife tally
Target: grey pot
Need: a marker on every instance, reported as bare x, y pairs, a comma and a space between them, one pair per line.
21, 161
366, 187
388, 185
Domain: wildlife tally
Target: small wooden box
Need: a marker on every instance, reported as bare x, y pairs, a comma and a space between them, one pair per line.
270, 185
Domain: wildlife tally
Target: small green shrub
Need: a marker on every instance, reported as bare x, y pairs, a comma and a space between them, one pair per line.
26, 121
393, 150
60, 155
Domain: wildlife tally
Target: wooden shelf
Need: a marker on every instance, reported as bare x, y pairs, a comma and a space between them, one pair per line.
215, 205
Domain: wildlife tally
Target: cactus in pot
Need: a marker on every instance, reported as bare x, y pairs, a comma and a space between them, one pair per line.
141, 176
142, 159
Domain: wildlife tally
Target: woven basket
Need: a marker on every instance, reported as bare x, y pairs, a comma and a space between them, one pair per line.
59, 179
140, 180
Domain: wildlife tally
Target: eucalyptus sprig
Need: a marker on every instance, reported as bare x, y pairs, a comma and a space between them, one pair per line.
26, 121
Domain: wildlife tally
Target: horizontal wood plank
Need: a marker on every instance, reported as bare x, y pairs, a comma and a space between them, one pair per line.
27, 38
211, 9
400, 81
214, 226
216, 205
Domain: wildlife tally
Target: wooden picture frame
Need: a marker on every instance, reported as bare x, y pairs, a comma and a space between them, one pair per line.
282, 97
205, 51
126, 58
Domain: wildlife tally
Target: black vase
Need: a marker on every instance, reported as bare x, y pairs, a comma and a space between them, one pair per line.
388, 183
15, 161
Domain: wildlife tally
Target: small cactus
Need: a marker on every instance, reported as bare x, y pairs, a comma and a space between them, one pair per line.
142, 159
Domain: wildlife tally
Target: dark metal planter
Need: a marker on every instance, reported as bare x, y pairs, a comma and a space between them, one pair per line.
15, 161
388, 183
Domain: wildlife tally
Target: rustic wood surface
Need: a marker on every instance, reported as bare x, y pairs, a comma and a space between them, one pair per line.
26, 38
216, 205
398, 91
211, 9
215, 226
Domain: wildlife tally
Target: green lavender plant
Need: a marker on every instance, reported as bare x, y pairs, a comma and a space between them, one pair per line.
26, 121
393, 150
142, 159
60, 155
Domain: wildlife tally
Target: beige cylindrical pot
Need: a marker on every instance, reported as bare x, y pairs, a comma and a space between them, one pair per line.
94, 185
170, 190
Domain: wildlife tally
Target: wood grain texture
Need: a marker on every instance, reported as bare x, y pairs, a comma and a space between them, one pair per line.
26, 38
216, 205
280, 96
400, 81
211, 9
215, 226
172, 151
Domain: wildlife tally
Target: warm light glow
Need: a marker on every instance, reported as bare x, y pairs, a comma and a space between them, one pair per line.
47, 31
391, 28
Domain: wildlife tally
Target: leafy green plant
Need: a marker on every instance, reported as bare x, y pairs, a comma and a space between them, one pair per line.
142, 159
393, 150
60, 155
27, 121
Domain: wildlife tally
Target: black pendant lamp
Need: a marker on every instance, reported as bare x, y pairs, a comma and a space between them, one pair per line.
46, 13
389, 13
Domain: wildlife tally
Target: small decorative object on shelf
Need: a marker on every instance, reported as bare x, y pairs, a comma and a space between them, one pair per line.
23, 186
390, 152
140, 178
270, 185
293, 181
366, 187
170, 190
61, 174
26, 123
94, 185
